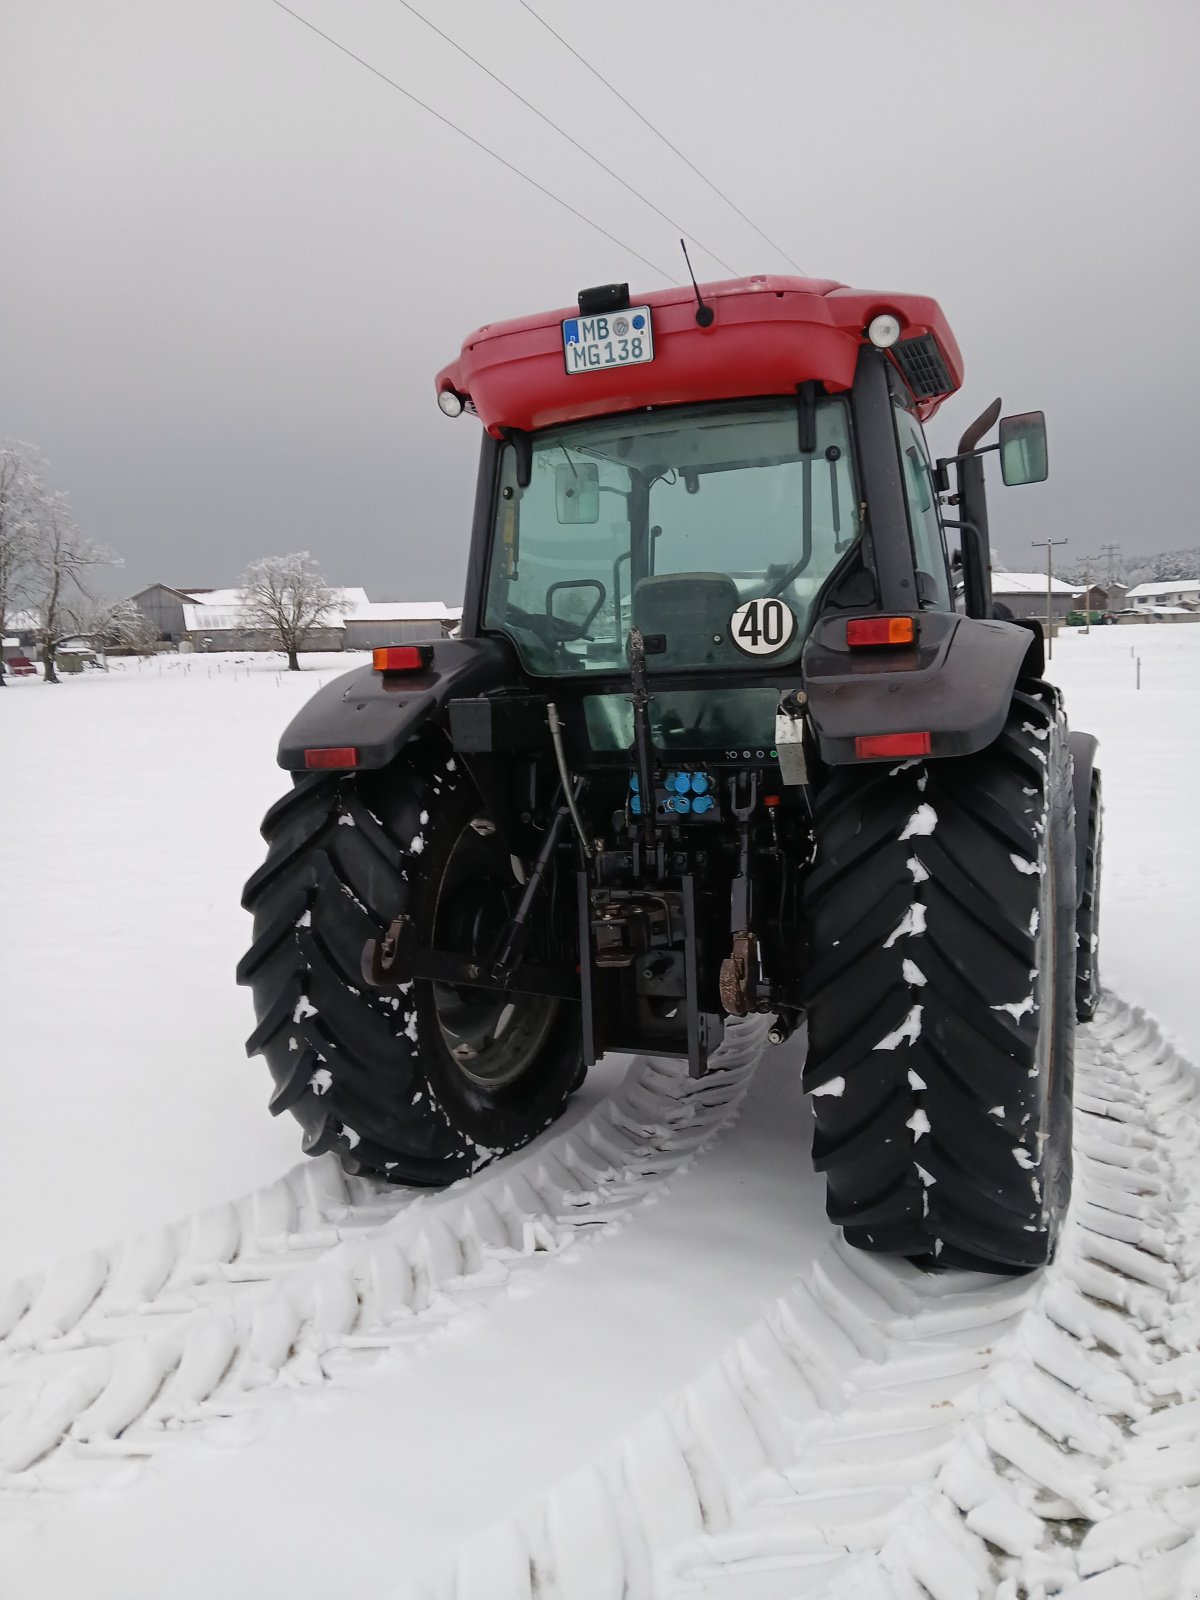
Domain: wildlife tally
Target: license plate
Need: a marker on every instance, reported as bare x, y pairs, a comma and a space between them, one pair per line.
616, 339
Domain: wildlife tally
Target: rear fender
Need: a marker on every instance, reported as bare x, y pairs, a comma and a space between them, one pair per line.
956, 685
376, 714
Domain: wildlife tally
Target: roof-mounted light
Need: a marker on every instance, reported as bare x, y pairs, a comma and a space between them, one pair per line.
883, 330
450, 402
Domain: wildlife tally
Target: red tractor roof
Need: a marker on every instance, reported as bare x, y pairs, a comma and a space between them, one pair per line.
768, 335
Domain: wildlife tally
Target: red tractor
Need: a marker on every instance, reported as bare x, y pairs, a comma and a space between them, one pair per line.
727, 731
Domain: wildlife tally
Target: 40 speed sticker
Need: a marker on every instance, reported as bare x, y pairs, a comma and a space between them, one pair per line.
762, 627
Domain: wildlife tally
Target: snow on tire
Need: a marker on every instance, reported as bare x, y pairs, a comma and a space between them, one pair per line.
424, 1084
941, 997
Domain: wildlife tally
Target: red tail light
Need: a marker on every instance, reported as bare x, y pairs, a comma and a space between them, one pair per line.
342, 755
862, 631
402, 657
874, 746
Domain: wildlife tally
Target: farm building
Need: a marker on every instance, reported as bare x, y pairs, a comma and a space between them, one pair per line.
397, 622
163, 606
213, 619
1024, 593
1102, 597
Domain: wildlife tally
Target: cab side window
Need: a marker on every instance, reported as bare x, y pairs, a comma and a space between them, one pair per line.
929, 544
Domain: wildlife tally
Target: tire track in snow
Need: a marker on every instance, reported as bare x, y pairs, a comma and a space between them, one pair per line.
884, 1433
112, 1354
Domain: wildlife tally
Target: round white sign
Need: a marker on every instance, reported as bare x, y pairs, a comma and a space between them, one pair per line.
762, 627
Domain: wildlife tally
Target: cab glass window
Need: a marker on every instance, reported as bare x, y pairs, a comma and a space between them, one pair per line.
929, 545
671, 521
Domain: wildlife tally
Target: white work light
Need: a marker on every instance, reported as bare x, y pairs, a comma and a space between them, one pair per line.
883, 330
451, 403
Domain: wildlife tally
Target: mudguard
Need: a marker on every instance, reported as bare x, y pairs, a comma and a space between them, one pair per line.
1083, 757
956, 685
376, 714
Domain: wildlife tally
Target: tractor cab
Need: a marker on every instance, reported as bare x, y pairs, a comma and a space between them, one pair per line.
691, 467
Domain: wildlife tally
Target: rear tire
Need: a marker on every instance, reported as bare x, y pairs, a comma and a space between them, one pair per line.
941, 997
425, 1083
1087, 918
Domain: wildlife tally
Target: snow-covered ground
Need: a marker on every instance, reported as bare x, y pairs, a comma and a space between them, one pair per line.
633, 1361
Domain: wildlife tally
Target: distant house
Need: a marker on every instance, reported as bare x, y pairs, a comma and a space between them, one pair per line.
24, 627
1184, 592
1102, 597
1024, 594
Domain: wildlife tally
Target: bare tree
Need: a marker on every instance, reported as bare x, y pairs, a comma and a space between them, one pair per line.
21, 498
286, 597
62, 557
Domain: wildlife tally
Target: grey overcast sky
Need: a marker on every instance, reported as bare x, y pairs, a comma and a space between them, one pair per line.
231, 260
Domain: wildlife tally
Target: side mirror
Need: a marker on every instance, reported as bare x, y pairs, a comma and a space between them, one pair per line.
577, 491
1023, 455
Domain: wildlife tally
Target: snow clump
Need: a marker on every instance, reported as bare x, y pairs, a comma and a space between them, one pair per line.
1018, 1008
908, 1032
835, 1088
922, 821
911, 923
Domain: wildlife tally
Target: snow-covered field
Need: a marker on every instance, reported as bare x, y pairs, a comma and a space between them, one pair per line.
632, 1361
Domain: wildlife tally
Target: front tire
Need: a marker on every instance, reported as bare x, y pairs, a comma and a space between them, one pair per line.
941, 997
424, 1083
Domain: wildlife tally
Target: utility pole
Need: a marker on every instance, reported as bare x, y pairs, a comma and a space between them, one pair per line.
1111, 552
1048, 545
1086, 568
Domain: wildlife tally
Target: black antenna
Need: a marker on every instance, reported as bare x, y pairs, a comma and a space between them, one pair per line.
705, 315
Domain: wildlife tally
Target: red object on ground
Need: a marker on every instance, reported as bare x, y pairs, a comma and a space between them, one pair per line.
768, 335
21, 667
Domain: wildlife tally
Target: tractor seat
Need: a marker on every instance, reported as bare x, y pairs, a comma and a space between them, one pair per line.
691, 610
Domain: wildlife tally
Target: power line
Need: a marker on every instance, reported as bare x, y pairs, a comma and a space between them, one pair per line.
582, 148
478, 143
659, 134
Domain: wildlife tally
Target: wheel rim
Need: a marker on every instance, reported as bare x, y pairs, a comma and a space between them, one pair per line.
492, 1037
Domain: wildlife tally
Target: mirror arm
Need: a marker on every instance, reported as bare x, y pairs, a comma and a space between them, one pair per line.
941, 472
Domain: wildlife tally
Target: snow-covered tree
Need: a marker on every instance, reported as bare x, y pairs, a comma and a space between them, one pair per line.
286, 597
112, 624
1166, 566
62, 557
21, 497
